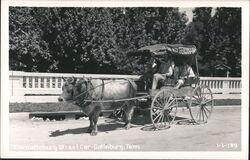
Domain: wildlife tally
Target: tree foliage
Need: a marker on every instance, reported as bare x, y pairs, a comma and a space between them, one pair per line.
226, 40
218, 38
95, 40
87, 40
28, 51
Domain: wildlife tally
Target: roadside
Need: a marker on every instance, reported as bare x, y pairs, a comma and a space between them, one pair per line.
56, 107
221, 133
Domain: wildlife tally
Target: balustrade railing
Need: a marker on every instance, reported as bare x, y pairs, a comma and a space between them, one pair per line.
23, 84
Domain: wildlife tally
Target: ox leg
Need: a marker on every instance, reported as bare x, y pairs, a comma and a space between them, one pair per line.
91, 124
95, 117
129, 109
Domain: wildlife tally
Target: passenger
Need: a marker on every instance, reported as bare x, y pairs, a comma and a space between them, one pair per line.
182, 73
166, 70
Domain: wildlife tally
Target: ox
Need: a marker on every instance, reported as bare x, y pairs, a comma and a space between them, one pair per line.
79, 91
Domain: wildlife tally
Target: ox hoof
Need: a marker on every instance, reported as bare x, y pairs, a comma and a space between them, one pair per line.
127, 127
89, 131
93, 133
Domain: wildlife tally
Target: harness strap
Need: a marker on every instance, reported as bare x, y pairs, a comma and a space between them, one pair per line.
87, 96
103, 85
90, 88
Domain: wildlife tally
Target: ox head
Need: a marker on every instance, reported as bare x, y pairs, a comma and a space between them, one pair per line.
72, 89
67, 89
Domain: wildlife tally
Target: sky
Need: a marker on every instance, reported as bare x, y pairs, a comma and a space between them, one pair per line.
189, 13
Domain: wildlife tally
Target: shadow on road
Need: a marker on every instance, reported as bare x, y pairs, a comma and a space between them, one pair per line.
101, 128
114, 124
108, 125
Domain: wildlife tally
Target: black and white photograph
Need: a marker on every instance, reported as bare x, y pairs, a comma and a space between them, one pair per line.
125, 79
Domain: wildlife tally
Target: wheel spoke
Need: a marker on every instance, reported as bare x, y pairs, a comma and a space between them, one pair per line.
163, 109
167, 100
198, 92
202, 100
158, 103
202, 114
207, 109
168, 118
175, 105
164, 120
157, 112
163, 99
196, 103
205, 113
207, 95
207, 101
157, 116
202, 91
159, 108
173, 100
197, 99
197, 116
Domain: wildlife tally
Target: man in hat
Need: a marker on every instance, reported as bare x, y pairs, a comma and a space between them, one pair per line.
166, 70
181, 73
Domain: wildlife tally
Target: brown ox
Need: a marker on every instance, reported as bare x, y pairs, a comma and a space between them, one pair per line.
96, 89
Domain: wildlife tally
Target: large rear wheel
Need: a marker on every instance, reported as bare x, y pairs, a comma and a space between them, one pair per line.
201, 105
163, 109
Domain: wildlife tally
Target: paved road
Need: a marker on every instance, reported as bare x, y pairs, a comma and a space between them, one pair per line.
221, 133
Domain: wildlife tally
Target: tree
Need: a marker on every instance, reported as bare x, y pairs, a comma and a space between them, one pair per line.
81, 39
198, 32
226, 40
87, 40
217, 38
28, 51
148, 26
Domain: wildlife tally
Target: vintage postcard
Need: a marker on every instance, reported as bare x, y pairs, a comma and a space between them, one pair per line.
125, 79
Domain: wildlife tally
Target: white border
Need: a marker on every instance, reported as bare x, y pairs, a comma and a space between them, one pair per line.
111, 155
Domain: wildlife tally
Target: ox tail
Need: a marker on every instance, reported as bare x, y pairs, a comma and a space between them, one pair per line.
132, 87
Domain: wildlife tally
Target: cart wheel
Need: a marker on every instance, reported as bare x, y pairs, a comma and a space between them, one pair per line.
163, 109
201, 105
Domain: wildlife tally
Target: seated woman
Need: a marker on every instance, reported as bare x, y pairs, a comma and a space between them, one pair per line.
182, 73
166, 70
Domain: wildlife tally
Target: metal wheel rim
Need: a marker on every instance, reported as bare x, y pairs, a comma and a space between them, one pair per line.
201, 105
163, 109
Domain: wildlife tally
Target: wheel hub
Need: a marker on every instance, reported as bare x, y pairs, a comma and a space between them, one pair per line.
203, 104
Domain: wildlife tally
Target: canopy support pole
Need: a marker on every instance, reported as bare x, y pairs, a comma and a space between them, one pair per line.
196, 61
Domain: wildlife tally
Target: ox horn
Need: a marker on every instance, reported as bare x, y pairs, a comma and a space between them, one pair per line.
84, 78
73, 80
63, 78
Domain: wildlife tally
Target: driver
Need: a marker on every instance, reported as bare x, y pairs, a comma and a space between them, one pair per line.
181, 73
166, 70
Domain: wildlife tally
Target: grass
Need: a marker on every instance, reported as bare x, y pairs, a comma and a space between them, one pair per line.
55, 107
41, 107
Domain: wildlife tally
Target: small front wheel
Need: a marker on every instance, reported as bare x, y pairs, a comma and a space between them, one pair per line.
163, 109
201, 105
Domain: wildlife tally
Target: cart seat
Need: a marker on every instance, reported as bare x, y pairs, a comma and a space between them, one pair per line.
170, 82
